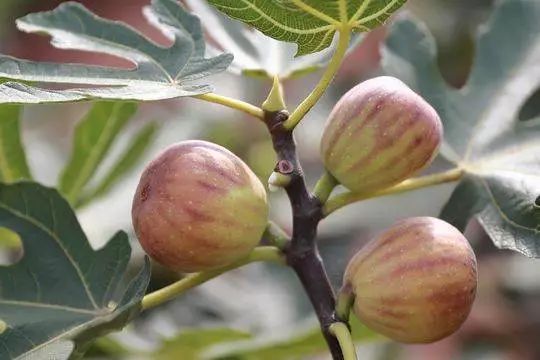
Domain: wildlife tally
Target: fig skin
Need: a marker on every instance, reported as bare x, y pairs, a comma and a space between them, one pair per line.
379, 134
198, 207
414, 283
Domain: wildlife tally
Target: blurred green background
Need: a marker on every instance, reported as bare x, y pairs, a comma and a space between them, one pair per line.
263, 307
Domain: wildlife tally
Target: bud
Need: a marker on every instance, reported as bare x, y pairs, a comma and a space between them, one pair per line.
414, 283
198, 207
379, 134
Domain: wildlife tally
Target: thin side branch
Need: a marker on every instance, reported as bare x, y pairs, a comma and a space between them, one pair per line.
342, 200
302, 252
263, 253
233, 104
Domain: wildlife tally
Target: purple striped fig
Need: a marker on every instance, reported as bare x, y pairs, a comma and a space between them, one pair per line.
379, 134
198, 207
416, 282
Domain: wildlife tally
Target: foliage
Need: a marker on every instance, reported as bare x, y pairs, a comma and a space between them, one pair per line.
61, 289
311, 24
159, 73
63, 294
251, 48
484, 136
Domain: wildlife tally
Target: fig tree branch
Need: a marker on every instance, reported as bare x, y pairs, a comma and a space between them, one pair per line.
339, 201
301, 252
343, 44
233, 104
263, 253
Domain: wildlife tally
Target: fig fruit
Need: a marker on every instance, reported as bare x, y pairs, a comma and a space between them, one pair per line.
198, 207
379, 134
414, 283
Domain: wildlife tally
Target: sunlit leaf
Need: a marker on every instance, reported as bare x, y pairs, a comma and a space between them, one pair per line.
254, 53
311, 24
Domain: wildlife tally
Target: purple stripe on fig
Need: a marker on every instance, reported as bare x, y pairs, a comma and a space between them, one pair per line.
415, 282
397, 121
198, 207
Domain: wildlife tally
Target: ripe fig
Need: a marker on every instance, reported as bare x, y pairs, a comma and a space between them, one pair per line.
379, 134
198, 207
414, 283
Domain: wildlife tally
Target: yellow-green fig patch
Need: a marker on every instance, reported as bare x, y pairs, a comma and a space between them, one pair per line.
379, 134
415, 282
198, 207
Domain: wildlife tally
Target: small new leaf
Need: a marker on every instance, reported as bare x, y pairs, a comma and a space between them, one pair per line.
483, 133
311, 24
62, 291
158, 72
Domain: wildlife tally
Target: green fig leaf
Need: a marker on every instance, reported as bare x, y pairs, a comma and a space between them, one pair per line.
93, 138
61, 291
255, 54
158, 72
13, 165
483, 133
311, 24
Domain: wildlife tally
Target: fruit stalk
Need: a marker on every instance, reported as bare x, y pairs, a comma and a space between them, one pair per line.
301, 252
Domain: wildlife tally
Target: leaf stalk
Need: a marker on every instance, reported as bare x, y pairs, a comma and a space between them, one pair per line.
233, 104
339, 201
156, 298
344, 33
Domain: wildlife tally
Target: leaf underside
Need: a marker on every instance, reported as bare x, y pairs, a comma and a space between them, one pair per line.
62, 291
311, 24
255, 54
483, 134
158, 72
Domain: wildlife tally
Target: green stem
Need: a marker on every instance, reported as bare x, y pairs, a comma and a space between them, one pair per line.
342, 200
343, 335
344, 303
328, 76
263, 253
276, 235
324, 187
233, 104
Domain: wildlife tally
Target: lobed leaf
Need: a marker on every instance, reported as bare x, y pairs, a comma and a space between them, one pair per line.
158, 72
484, 137
254, 53
13, 165
61, 291
311, 24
